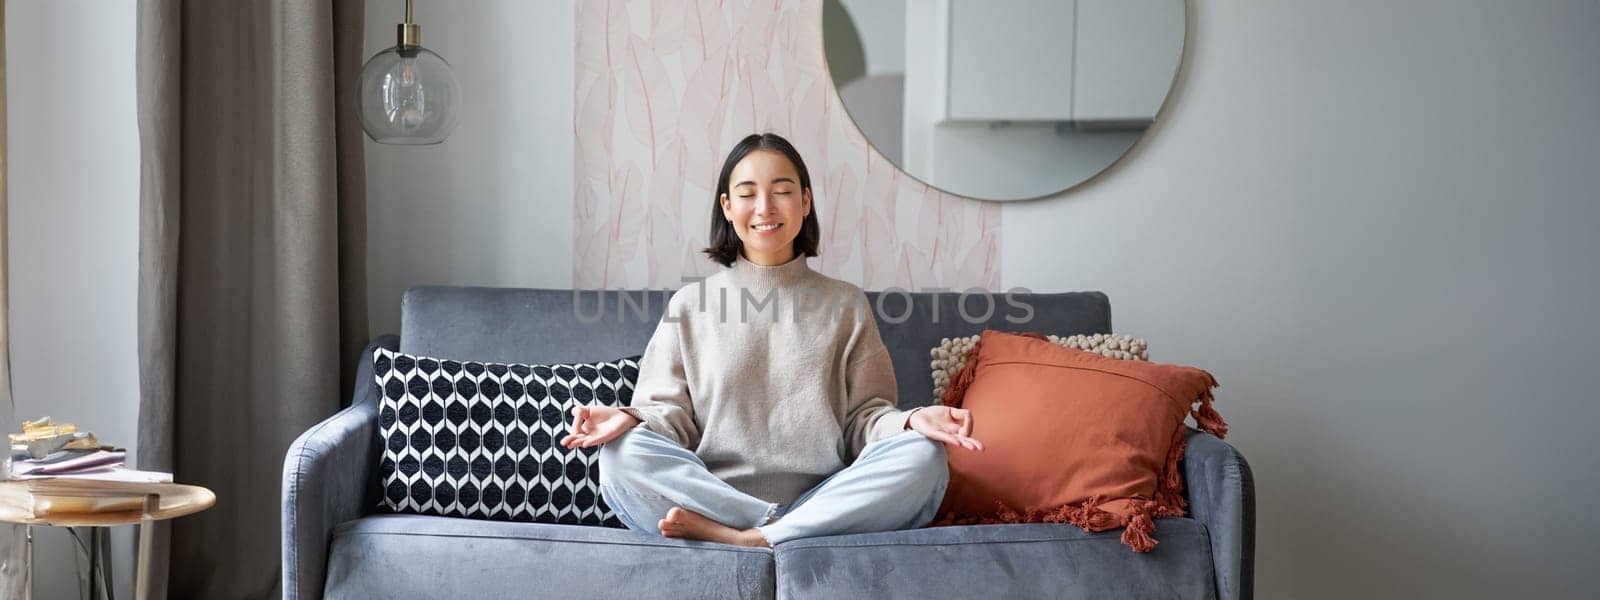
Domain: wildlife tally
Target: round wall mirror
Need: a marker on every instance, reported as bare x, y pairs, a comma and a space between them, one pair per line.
1003, 99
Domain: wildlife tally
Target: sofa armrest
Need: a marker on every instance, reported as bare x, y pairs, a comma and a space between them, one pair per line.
329, 477
1222, 497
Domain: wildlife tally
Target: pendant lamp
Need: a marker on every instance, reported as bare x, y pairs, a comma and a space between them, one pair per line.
408, 94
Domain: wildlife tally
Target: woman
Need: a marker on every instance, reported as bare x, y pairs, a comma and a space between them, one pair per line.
765, 405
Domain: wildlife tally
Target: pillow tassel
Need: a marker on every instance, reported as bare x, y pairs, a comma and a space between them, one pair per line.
1137, 532
1089, 517
1169, 491
1207, 417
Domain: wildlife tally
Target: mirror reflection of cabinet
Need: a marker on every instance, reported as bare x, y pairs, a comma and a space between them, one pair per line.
1004, 99
1126, 55
1103, 63
1006, 65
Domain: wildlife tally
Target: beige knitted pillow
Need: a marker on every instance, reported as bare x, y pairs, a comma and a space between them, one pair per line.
950, 356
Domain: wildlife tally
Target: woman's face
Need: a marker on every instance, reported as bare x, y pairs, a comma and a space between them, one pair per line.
766, 206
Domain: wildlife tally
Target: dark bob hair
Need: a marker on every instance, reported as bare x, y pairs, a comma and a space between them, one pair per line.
725, 243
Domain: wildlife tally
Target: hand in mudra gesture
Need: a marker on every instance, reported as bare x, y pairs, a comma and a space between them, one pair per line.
945, 424
595, 425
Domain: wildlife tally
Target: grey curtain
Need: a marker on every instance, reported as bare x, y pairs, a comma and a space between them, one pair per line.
252, 299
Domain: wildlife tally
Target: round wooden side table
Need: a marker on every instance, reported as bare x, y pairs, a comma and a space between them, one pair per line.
127, 503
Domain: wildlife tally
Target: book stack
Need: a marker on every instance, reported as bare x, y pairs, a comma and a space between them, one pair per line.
65, 471
49, 449
76, 483
79, 482
72, 496
104, 464
81, 500
67, 462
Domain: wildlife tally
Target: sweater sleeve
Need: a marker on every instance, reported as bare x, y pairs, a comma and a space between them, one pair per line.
661, 398
870, 413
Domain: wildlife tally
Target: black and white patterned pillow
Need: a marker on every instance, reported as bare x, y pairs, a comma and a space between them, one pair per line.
482, 440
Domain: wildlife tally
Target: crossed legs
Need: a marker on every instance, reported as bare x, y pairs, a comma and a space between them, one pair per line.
655, 485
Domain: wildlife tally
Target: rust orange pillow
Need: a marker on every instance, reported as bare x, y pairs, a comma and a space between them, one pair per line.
1072, 437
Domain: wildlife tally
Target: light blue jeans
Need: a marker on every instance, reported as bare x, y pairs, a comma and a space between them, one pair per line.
896, 483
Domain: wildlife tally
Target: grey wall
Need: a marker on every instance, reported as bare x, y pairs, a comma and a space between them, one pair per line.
73, 200
1375, 222
492, 205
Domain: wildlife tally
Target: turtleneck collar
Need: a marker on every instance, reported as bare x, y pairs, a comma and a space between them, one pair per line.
758, 277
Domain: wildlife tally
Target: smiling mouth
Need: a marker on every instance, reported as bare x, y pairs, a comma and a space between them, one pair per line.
766, 227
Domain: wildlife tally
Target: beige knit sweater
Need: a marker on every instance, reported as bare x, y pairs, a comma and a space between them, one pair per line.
774, 376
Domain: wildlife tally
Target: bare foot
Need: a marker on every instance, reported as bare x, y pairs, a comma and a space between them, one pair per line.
684, 523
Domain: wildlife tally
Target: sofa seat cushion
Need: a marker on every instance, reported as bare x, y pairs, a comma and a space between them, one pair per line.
1035, 560
417, 556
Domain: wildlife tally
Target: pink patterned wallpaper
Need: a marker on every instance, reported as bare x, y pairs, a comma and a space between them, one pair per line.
665, 88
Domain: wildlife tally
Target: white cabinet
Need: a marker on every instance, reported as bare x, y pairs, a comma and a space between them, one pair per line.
1109, 61
1127, 53
1009, 60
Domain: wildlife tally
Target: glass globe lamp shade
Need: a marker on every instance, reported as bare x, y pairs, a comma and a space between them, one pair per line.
408, 95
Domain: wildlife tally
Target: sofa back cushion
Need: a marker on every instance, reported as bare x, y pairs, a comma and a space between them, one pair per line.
932, 317
549, 326
515, 325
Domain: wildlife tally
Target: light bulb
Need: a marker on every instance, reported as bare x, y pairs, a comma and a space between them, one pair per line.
408, 96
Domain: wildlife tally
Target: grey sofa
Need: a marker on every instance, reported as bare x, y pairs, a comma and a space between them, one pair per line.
335, 545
